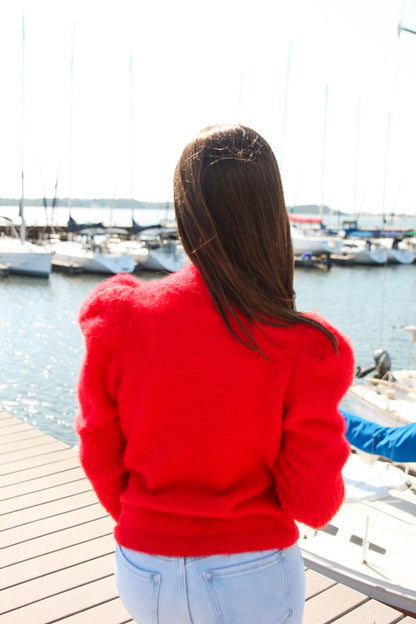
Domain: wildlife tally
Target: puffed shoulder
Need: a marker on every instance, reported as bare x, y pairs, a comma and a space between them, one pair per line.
107, 295
319, 364
107, 303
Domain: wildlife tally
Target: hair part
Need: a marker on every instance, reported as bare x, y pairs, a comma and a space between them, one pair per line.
234, 227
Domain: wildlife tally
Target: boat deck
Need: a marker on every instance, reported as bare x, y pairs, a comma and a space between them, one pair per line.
56, 545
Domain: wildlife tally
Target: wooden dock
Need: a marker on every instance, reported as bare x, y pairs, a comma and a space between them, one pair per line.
56, 545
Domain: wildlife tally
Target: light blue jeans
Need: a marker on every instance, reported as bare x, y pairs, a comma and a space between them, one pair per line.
266, 587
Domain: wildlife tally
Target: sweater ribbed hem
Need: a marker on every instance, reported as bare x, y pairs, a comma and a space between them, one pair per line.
171, 544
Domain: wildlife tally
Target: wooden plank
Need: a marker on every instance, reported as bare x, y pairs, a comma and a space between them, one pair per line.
52, 524
316, 583
42, 483
371, 611
63, 604
11, 427
36, 441
50, 459
48, 446
33, 499
331, 604
49, 509
111, 612
45, 564
57, 582
57, 541
5, 416
31, 476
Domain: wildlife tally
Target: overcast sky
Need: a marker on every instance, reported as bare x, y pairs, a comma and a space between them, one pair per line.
275, 65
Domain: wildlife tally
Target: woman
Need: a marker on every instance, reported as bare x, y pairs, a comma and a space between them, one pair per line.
208, 417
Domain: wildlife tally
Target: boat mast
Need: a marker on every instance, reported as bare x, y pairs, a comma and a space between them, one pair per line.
321, 208
401, 29
289, 58
357, 137
385, 171
71, 98
240, 98
22, 197
131, 140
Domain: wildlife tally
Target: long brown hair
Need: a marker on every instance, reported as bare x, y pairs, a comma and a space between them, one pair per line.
233, 224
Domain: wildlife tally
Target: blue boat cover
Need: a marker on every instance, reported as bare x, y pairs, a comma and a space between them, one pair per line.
397, 444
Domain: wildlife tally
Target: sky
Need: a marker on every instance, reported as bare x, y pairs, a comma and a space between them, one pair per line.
102, 96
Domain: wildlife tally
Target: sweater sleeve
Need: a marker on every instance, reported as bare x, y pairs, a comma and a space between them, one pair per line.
313, 450
101, 317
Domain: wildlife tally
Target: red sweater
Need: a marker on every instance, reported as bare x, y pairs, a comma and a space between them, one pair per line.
194, 443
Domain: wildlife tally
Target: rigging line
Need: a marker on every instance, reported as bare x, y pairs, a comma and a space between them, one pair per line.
383, 300
240, 98
321, 210
289, 57
71, 98
408, 30
411, 360
45, 201
387, 513
131, 137
357, 142
22, 198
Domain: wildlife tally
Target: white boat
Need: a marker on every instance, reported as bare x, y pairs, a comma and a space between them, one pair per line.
18, 254
134, 248
309, 237
389, 396
92, 257
397, 254
24, 258
167, 255
400, 256
313, 242
361, 253
387, 402
370, 545
410, 243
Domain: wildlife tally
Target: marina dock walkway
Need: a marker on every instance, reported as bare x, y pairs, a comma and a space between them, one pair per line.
56, 545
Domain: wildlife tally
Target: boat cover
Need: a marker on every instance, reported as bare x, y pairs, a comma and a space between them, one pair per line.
397, 444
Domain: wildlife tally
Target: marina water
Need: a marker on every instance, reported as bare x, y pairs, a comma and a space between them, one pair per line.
41, 344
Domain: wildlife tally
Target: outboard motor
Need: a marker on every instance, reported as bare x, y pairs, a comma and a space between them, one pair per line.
381, 366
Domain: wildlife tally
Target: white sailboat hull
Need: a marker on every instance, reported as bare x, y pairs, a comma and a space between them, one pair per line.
25, 258
169, 257
370, 544
93, 261
386, 403
304, 242
400, 256
370, 257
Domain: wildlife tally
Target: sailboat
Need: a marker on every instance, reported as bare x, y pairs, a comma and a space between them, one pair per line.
388, 397
395, 253
361, 252
370, 544
22, 257
92, 255
16, 253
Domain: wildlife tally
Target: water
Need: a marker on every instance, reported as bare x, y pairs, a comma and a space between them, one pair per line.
41, 345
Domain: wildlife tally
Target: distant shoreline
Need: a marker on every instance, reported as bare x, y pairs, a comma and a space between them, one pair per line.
126, 204
65, 202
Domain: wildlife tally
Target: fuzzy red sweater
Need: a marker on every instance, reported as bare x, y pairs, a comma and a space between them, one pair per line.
194, 443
